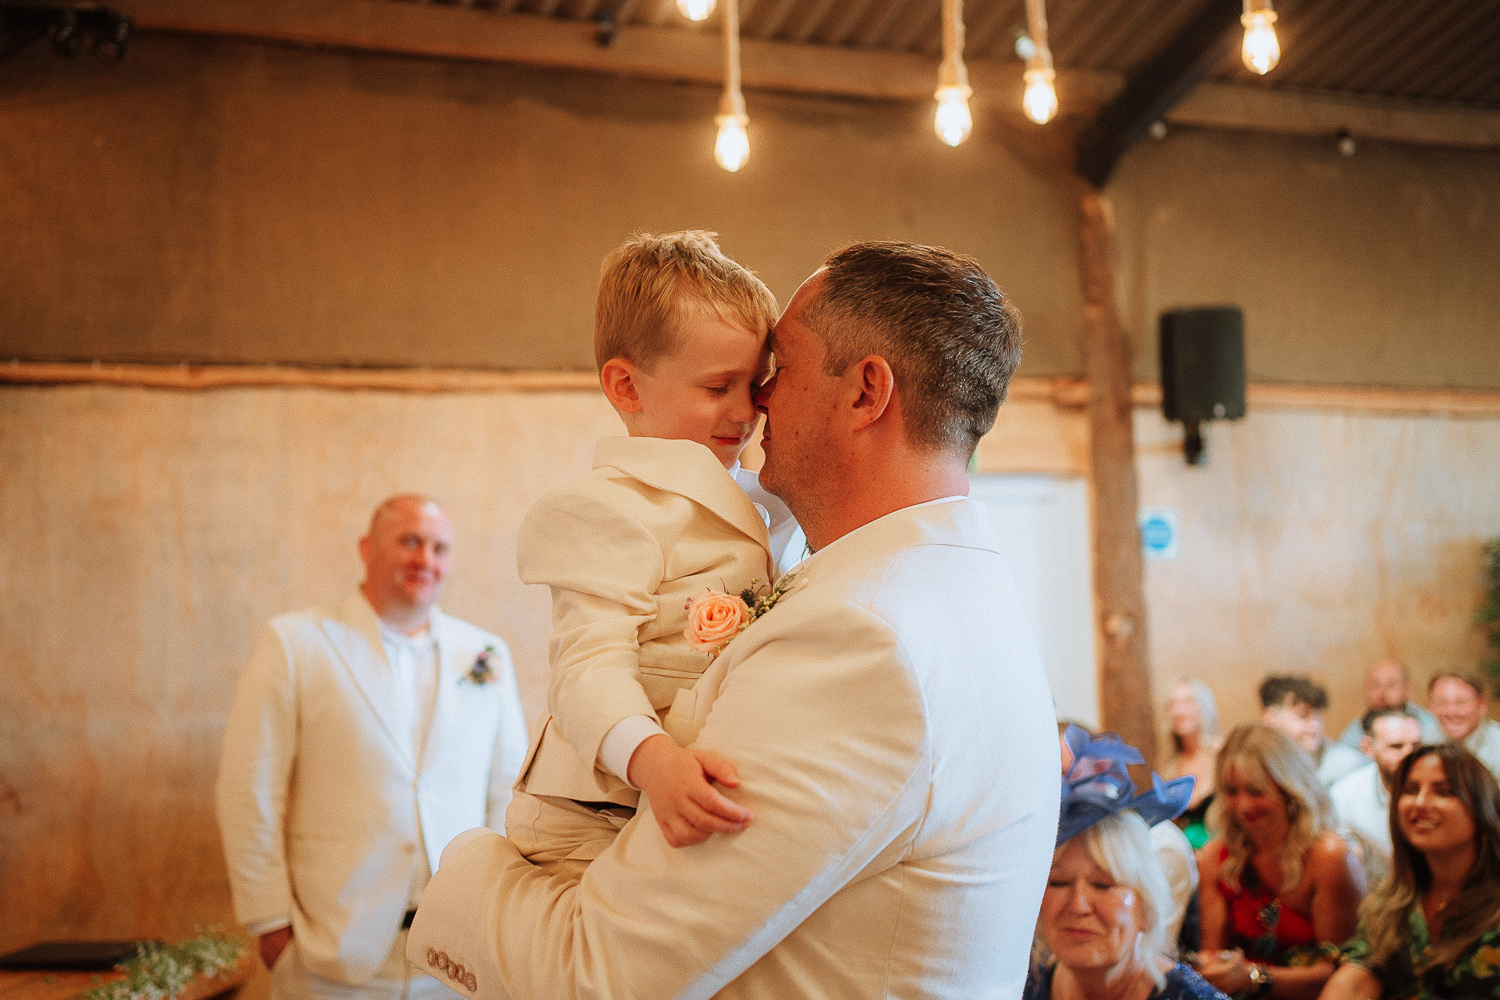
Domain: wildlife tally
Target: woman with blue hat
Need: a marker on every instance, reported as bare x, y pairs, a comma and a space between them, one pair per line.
1102, 930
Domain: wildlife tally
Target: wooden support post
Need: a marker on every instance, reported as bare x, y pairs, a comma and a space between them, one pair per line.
1119, 598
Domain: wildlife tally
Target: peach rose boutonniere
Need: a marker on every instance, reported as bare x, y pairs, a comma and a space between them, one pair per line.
716, 617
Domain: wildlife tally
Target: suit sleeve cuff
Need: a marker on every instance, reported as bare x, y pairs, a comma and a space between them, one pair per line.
622, 739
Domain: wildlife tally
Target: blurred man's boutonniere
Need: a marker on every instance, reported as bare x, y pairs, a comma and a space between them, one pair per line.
483, 671
716, 617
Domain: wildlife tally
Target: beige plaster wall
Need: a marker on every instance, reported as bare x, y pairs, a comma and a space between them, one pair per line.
1317, 542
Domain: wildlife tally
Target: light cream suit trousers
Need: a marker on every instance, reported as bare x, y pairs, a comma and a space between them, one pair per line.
894, 732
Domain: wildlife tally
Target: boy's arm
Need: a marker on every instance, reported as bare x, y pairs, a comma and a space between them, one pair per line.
604, 568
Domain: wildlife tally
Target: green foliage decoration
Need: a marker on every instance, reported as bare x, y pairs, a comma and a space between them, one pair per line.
162, 971
1488, 615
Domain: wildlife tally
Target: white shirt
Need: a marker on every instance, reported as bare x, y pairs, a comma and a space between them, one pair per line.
414, 662
1363, 808
1335, 760
1484, 743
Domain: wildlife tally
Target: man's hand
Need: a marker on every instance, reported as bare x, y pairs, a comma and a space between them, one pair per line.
679, 784
273, 943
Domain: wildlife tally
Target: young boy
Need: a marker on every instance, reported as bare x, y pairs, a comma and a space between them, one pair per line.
667, 514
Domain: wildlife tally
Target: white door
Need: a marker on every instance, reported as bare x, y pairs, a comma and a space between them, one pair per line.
1044, 532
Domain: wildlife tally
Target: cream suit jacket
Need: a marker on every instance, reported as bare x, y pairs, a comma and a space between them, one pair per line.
320, 800
894, 733
623, 549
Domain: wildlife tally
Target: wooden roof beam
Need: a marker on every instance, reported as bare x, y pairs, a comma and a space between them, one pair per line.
1152, 91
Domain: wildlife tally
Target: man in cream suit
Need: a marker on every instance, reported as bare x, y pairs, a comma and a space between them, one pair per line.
361, 739
889, 719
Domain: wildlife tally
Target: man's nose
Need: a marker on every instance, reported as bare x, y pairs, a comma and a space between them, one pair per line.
759, 397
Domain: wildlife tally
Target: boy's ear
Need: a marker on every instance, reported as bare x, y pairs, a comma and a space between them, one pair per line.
617, 378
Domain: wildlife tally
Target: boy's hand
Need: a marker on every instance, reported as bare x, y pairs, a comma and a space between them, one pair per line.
679, 783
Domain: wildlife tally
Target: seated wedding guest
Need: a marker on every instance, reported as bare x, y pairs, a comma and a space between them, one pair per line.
1458, 700
1279, 888
1295, 705
1102, 932
1173, 850
1433, 930
1388, 685
1193, 720
1361, 799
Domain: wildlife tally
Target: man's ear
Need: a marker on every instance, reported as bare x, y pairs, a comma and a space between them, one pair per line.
875, 385
617, 378
1366, 746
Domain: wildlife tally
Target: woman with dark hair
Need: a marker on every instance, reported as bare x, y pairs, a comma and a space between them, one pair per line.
1433, 930
1279, 889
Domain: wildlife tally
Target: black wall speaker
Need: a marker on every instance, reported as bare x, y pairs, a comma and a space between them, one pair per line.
1203, 364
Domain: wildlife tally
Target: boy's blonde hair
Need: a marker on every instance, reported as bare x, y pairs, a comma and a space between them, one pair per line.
650, 287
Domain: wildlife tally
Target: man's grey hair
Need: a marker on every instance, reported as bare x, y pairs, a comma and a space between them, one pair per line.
951, 337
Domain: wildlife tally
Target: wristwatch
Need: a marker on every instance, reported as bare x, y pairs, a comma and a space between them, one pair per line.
1260, 980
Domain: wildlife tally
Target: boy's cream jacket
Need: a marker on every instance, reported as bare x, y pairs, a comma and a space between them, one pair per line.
623, 549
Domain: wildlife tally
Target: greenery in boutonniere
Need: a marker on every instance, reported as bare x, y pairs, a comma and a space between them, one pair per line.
1488, 615
481, 673
162, 971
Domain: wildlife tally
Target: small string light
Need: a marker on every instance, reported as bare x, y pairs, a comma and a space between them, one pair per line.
1040, 98
953, 121
732, 148
695, 10
1261, 51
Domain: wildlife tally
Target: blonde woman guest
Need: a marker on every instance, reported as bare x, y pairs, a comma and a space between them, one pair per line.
1102, 931
1433, 930
1195, 738
1280, 889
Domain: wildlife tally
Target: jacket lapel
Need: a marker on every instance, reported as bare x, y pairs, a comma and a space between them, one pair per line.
691, 470
354, 635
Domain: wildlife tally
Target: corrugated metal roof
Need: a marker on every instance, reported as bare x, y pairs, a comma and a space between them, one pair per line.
1440, 51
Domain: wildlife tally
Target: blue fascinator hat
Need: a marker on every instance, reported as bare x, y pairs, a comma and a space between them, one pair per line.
1097, 784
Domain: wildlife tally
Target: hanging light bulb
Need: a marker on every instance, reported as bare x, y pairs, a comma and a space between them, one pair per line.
695, 10
732, 148
1040, 97
1260, 51
953, 121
